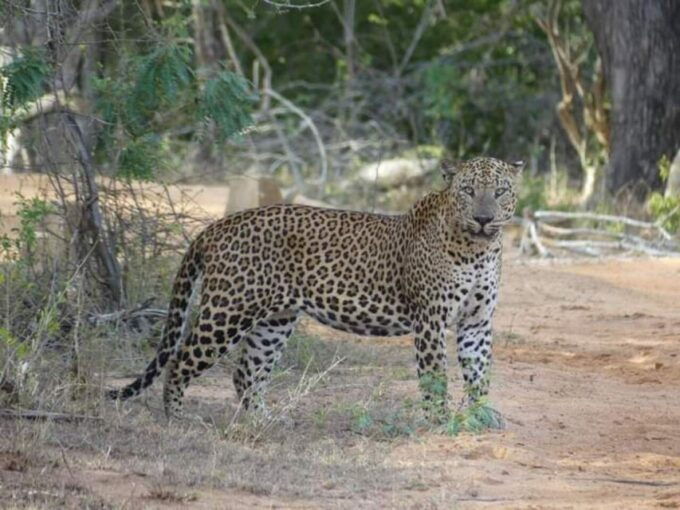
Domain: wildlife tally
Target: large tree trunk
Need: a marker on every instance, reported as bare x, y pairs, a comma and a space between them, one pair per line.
639, 42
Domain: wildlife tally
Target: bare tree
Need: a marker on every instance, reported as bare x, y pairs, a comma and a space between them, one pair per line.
582, 109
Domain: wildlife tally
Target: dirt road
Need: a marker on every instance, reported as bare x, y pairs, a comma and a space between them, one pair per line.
587, 374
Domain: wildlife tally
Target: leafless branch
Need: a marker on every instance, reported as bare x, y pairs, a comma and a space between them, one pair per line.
420, 30
545, 238
563, 215
100, 238
288, 5
260, 58
45, 415
310, 123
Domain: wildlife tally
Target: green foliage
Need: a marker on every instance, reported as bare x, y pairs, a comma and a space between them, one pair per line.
226, 100
476, 418
664, 168
140, 158
24, 79
665, 209
381, 422
362, 420
532, 194
306, 352
161, 77
161, 92
31, 212
21, 81
12, 346
433, 384
434, 389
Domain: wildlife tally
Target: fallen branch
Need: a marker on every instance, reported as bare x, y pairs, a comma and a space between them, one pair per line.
45, 415
530, 238
142, 311
628, 481
539, 236
548, 216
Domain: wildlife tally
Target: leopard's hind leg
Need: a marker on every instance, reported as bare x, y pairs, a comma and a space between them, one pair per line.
261, 351
214, 334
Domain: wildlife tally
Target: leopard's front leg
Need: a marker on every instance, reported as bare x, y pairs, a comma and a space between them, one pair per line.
474, 357
474, 342
430, 343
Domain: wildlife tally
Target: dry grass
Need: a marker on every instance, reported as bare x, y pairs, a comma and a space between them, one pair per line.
329, 406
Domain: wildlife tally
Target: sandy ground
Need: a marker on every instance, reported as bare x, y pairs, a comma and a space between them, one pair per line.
208, 200
587, 375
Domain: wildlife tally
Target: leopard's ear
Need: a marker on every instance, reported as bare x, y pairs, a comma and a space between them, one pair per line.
448, 167
518, 166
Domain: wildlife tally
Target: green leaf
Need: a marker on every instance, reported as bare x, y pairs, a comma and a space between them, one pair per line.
226, 100
141, 158
161, 76
25, 78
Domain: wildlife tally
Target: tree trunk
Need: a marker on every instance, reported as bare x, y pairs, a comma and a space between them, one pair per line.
639, 42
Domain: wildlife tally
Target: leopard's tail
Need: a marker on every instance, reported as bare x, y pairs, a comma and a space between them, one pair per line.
189, 272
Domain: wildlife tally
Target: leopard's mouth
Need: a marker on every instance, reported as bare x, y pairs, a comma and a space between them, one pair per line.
482, 233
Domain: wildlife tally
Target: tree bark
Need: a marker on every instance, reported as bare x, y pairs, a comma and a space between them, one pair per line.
102, 243
639, 43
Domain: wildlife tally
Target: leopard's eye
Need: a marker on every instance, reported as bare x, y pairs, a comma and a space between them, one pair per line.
468, 190
501, 191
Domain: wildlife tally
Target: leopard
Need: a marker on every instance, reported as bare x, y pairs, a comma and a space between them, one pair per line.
253, 274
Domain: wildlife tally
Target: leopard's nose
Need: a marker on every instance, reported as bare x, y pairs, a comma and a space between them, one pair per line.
483, 220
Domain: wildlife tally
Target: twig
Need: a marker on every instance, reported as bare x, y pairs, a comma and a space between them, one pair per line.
226, 38
628, 481
141, 311
420, 30
45, 415
310, 123
288, 5
259, 56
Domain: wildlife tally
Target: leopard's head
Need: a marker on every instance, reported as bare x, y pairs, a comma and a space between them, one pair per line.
483, 193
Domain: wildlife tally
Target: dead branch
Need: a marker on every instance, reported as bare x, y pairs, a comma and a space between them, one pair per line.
259, 56
420, 30
628, 481
226, 37
100, 238
44, 104
287, 5
548, 216
552, 231
310, 123
530, 240
142, 312
590, 241
45, 415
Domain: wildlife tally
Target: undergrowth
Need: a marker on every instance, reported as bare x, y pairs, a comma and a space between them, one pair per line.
665, 208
